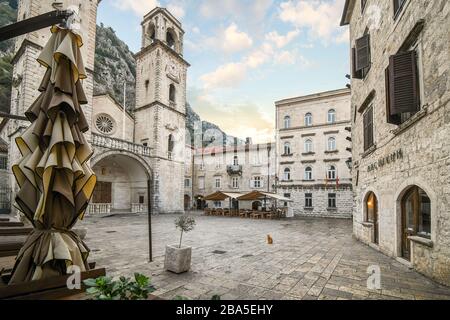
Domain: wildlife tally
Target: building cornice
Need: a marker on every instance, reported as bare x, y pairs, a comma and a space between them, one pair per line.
313, 97
347, 13
323, 125
166, 12
158, 43
158, 103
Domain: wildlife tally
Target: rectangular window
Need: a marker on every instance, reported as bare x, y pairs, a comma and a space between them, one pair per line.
403, 85
218, 204
201, 183
202, 166
368, 129
187, 183
3, 163
235, 183
308, 200
286, 195
257, 182
218, 182
332, 200
141, 199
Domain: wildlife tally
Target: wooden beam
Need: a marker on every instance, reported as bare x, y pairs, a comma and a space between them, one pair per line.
35, 23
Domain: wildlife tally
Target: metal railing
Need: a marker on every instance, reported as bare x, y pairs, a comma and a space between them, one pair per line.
5, 200
118, 144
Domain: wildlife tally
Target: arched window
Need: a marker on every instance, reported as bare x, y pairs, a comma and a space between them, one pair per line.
287, 148
308, 173
287, 122
287, 174
332, 116
236, 161
151, 32
331, 144
170, 146
170, 39
308, 119
172, 93
371, 214
308, 146
331, 173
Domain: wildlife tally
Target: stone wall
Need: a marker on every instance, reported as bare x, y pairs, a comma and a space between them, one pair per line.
423, 140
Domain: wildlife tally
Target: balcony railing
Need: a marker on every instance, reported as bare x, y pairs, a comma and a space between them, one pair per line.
234, 169
118, 144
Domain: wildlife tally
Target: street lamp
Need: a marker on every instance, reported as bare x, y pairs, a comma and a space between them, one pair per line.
349, 163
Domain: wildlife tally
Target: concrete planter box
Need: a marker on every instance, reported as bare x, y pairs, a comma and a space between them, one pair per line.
178, 260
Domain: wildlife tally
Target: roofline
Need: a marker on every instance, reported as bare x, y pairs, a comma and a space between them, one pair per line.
346, 14
107, 94
314, 96
157, 42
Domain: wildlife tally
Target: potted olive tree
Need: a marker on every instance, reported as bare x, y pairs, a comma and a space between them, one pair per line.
178, 257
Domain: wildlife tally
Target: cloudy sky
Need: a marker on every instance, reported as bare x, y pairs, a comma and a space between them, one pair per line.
247, 54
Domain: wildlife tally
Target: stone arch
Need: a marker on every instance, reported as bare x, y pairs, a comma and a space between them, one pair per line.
400, 193
172, 39
122, 183
96, 159
366, 193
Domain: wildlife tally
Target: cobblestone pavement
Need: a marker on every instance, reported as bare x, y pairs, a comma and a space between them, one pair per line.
309, 259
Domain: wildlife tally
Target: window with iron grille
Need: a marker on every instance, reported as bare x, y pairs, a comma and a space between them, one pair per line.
3, 162
308, 200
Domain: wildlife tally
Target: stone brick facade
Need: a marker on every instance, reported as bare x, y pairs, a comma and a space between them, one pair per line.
414, 154
311, 135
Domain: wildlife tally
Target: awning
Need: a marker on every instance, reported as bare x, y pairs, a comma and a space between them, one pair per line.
221, 196
258, 195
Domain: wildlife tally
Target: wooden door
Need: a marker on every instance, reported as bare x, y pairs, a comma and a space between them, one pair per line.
102, 192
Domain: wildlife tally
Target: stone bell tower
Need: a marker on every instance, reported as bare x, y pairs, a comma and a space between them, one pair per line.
161, 106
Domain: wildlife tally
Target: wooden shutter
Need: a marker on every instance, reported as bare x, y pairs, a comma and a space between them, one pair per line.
355, 74
363, 52
403, 91
368, 129
390, 118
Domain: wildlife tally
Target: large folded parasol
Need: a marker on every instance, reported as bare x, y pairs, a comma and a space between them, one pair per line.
56, 182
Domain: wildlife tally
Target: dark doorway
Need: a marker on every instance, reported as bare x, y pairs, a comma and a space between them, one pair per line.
102, 192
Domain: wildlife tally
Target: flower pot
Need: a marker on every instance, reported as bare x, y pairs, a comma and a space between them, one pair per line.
178, 260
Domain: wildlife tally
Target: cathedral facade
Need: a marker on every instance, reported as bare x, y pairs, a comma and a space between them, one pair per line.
134, 155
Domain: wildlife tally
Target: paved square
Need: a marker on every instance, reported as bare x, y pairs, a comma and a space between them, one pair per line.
309, 259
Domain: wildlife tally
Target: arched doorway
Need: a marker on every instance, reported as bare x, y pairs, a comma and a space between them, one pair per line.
371, 215
416, 218
187, 202
122, 184
200, 203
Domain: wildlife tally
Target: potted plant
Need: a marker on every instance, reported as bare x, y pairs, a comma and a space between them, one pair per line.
178, 258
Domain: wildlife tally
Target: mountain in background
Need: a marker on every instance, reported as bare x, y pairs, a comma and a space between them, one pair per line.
114, 66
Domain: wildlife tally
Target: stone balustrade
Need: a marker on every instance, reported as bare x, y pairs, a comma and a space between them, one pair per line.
99, 208
139, 208
118, 144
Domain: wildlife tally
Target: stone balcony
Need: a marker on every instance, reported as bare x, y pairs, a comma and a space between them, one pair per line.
118, 144
234, 169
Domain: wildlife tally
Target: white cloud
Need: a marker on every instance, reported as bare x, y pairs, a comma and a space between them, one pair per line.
320, 17
285, 57
139, 7
280, 40
235, 40
250, 11
196, 30
225, 76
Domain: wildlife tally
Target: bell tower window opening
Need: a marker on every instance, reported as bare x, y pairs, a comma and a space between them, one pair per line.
171, 39
172, 93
